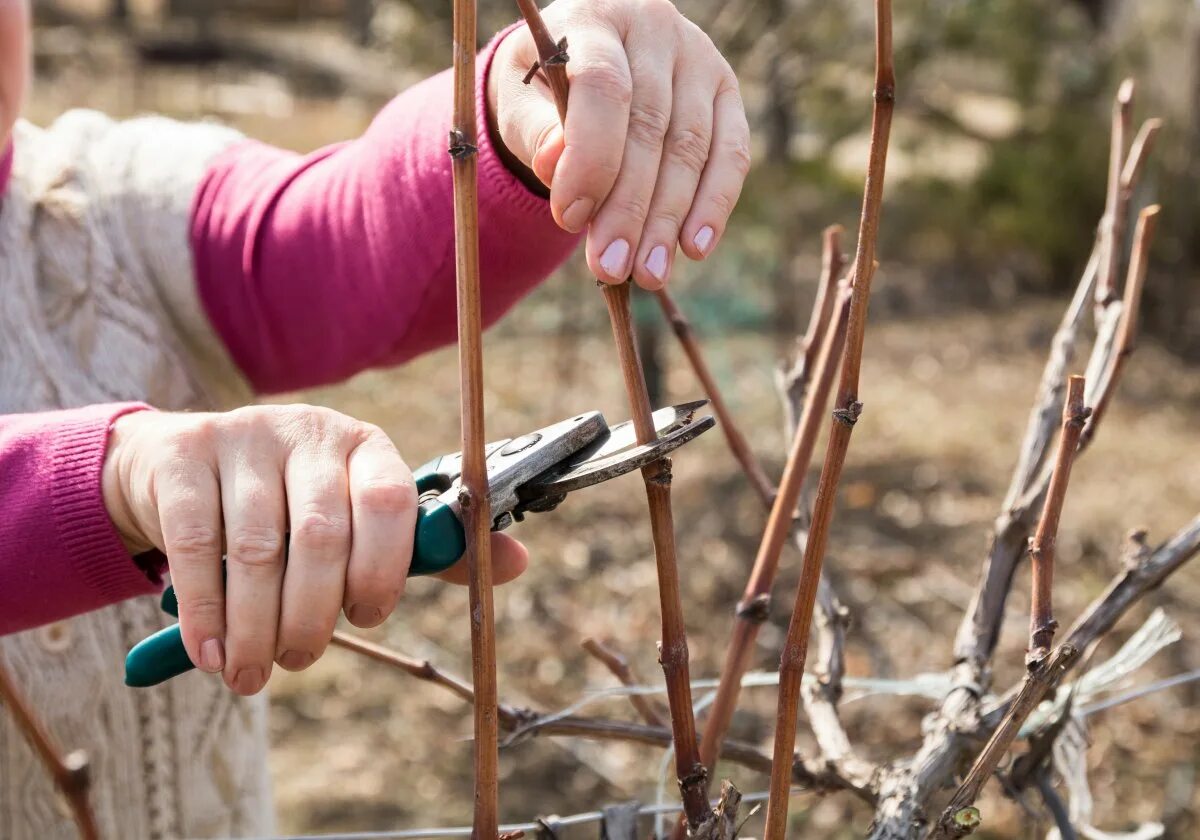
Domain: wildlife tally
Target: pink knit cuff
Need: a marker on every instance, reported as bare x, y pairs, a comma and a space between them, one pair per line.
85, 531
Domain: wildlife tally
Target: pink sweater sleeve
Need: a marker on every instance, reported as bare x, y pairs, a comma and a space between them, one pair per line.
314, 267
59, 553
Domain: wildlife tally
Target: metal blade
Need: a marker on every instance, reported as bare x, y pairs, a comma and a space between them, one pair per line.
619, 453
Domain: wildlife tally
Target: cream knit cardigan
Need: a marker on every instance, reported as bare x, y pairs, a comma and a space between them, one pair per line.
98, 304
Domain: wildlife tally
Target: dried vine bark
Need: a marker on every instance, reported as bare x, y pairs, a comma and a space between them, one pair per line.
1042, 548
979, 631
70, 772
961, 818
1126, 337
845, 415
673, 653
1116, 199
473, 499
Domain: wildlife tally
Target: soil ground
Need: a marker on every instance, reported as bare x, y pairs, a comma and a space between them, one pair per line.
357, 746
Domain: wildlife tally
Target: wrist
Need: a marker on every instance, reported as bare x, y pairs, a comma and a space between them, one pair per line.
114, 481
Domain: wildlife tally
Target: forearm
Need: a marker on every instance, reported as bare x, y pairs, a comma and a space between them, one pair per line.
59, 552
314, 267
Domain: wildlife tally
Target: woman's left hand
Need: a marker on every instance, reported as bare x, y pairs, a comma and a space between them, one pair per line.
656, 144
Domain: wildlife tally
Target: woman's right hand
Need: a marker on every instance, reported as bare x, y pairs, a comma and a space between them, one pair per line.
196, 486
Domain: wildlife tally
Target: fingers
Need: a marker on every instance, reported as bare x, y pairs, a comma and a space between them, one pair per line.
599, 103
317, 483
189, 511
253, 500
383, 501
617, 229
509, 559
685, 155
724, 173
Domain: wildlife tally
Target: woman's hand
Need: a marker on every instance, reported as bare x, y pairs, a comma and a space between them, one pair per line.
197, 485
656, 145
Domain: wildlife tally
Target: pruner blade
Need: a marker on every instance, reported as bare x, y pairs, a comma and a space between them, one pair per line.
616, 453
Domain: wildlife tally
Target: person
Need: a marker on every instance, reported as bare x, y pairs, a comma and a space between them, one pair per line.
156, 276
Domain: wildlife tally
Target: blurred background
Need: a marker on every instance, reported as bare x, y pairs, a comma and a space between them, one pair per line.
995, 186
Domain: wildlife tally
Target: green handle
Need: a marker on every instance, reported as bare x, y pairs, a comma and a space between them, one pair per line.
437, 545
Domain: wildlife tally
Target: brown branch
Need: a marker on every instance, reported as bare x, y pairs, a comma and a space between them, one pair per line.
815, 776
552, 55
612, 659
422, 669
1144, 571
529, 723
1126, 337
845, 416
821, 695
733, 434
1042, 548
473, 497
657, 478
832, 305
1139, 153
1116, 203
70, 772
960, 817
753, 608
673, 654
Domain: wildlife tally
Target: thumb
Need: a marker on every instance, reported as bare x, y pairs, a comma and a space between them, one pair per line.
529, 125
545, 156
509, 559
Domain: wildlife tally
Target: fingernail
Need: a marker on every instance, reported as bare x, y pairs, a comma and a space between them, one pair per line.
577, 214
614, 258
248, 680
656, 263
295, 660
364, 615
703, 239
212, 655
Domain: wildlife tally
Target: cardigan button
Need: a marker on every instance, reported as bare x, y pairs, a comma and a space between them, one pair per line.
55, 637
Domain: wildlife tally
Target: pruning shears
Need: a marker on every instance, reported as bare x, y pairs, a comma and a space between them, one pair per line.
528, 474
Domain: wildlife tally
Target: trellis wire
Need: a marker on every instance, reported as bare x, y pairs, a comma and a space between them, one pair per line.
465, 830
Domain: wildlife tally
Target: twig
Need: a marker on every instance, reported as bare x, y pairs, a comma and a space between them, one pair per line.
821, 695
738, 445
552, 55
657, 478
960, 817
420, 668
619, 666
1127, 331
816, 776
70, 772
527, 723
845, 416
1116, 203
673, 654
795, 378
1144, 572
1139, 153
1056, 807
753, 608
473, 498
1042, 548
1143, 575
